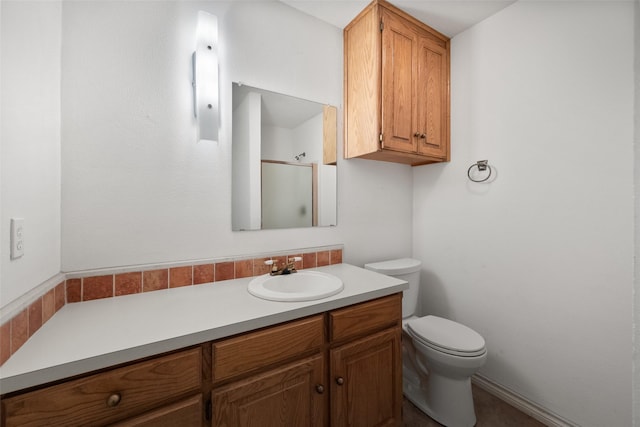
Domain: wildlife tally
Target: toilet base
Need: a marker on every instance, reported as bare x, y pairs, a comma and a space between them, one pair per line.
448, 401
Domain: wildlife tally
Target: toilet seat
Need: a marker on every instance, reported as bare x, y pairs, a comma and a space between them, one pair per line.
446, 336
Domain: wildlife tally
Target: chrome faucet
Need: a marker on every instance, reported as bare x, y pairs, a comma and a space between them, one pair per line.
288, 267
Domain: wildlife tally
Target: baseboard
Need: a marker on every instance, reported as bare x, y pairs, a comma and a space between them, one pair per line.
541, 414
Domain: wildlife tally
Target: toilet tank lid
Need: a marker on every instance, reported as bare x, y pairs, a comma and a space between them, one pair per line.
395, 266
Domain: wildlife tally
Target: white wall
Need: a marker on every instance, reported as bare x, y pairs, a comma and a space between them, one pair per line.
30, 135
245, 157
636, 356
540, 260
2, 252
137, 187
309, 138
278, 143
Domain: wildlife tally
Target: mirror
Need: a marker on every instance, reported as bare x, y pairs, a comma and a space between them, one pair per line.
283, 161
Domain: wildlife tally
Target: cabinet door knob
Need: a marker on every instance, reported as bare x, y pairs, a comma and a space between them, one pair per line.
417, 134
423, 136
339, 380
113, 400
320, 388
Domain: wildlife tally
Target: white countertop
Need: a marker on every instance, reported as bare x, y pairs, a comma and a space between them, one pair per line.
87, 336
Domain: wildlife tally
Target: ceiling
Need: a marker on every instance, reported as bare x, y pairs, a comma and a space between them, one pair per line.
450, 17
278, 109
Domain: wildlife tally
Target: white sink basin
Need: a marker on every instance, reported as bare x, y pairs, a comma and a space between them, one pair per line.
300, 286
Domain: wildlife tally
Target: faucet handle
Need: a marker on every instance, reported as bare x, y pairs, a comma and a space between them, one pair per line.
272, 263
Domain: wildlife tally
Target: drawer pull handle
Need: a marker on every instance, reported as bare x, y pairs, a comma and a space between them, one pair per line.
320, 388
339, 380
113, 400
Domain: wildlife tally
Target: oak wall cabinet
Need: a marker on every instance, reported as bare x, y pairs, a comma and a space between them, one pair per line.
396, 88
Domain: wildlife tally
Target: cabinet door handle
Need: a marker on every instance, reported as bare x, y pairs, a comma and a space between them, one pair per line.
113, 400
319, 388
339, 380
423, 136
417, 134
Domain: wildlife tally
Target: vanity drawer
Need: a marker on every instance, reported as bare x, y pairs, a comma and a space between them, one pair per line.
366, 317
254, 350
108, 396
185, 413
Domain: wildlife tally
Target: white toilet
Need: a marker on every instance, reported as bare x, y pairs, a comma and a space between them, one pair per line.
439, 355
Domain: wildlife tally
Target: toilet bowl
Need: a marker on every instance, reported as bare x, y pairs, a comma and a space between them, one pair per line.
439, 355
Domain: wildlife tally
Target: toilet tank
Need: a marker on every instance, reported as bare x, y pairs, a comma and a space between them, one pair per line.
406, 269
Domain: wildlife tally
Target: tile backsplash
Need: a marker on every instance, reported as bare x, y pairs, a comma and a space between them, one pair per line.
108, 283
16, 331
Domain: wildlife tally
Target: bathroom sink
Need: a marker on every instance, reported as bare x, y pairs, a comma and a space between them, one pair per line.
299, 286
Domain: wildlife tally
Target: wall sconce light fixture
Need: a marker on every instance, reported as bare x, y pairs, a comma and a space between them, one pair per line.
205, 77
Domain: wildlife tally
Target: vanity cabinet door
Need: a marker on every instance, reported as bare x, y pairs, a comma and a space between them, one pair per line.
366, 381
292, 395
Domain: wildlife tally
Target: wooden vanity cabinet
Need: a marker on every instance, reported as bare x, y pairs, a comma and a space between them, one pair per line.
297, 374
339, 368
396, 88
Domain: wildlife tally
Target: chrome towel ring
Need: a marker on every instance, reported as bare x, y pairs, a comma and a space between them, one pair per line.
482, 166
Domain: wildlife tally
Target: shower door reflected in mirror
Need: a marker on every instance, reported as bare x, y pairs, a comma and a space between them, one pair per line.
287, 195
283, 161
